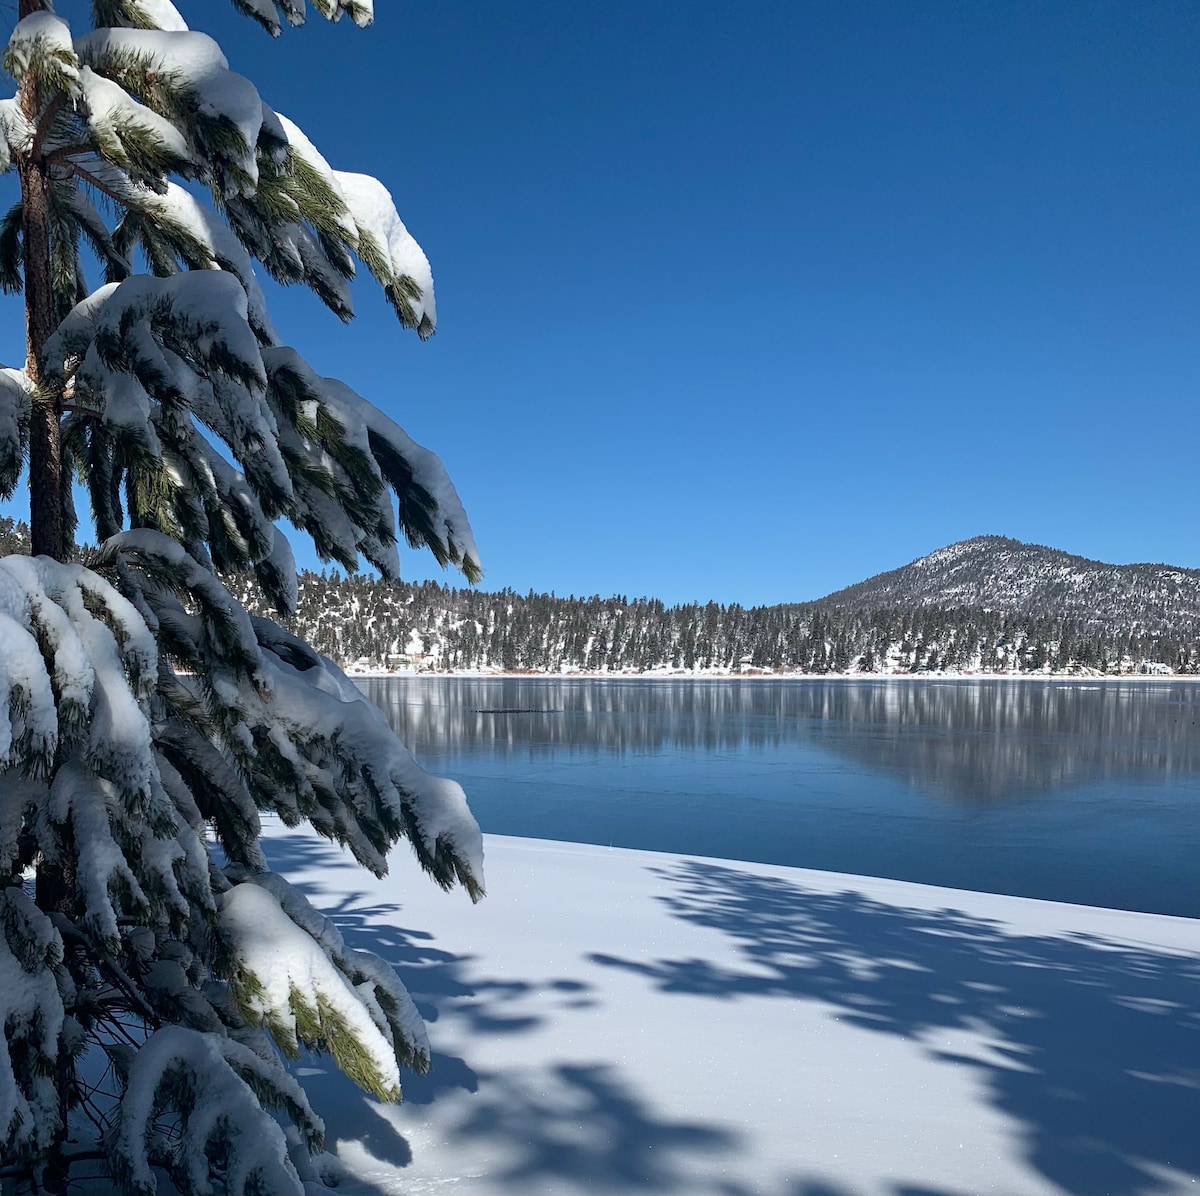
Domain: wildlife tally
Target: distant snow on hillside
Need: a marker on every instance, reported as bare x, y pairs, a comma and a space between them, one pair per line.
996, 573
988, 605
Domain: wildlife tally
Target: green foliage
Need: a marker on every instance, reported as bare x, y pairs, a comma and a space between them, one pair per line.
144, 713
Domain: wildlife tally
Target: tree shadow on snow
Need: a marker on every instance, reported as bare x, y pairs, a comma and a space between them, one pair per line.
581, 1126
828, 1188
575, 1127
430, 974
1094, 1045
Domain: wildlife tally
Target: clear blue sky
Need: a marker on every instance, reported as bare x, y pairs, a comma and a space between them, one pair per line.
748, 302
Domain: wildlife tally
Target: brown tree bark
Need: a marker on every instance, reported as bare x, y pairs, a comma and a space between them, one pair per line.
53, 884
46, 521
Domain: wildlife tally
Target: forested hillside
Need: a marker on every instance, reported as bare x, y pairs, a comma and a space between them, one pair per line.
892, 623
377, 624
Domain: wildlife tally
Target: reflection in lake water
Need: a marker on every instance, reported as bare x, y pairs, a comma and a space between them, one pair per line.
1060, 789
967, 739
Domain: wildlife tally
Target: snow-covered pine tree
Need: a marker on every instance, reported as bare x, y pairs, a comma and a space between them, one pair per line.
146, 720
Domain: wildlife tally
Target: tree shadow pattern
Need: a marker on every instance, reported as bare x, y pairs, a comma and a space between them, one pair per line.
570, 1127
1095, 1044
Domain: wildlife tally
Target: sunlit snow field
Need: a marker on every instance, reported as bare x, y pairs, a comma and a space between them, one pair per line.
613, 1021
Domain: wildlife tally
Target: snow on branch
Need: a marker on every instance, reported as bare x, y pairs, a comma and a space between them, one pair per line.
146, 719
390, 252
32, 1014
287, 980
162, 14
295, 11
159, 363
432, 514
16, 396
374, 981
76, 679
217, 1087
118, 769
176, 225
15, 132
146, 98
49, 683
332, 435
307, 742
347, 745
138, 14
320, 180
130, 135
41, 45
220, 111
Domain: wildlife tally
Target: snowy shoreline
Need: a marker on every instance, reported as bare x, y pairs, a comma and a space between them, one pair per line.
580, 675
612, 1021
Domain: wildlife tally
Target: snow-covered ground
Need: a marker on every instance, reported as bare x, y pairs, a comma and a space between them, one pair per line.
611, 1022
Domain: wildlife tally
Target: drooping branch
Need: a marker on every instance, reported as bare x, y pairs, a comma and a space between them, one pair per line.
47, 124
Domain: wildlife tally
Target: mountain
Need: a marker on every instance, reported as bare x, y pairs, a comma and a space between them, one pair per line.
988, 605
996, 573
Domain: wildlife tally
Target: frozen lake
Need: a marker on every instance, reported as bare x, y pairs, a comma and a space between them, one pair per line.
1071, 791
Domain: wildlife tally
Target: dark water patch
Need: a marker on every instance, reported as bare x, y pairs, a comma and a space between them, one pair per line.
516, 710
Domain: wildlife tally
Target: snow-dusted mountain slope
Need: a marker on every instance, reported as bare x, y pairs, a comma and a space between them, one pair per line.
988, 605
997, 573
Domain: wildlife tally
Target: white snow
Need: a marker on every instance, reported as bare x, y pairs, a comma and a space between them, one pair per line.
435, 807
201, 223
427, 469
15, 406
226, 1112
611, 1022
295, 11
197, 60
164, 14
41, 36
362, 12
283, 563
360, 420
31, 1011
303, 148
109, 107
375, 214
89, 804
26, 694
291, 966
265, 11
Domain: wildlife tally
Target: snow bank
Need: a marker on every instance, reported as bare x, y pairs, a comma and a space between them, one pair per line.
628, 1022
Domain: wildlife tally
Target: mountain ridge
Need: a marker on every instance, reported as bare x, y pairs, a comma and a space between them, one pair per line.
1044, 612
999, 573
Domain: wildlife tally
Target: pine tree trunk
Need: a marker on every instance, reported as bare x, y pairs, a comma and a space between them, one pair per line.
54, 883
48, 529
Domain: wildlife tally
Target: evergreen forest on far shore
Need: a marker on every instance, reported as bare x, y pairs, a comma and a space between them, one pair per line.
378, 625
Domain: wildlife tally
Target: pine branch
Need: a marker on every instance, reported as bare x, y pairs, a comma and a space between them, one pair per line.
46, 123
